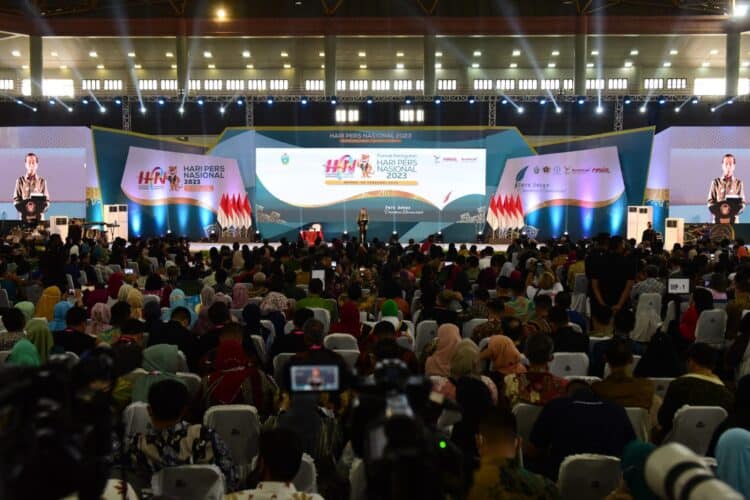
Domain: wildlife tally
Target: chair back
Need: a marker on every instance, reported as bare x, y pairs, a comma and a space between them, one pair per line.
641, 422
3, 356
694, 426
340, 341
569, 363
349, 355
426, 332
151, 298
526, 416
237, 313
288, 327
136, 419
182, 365
324, 316
69, 280
711, 327
189, 482
647, 317
589, 476
468, 328
307, 476
661, 385
406, 342
279, 364
260, 348
192, 381
239, 427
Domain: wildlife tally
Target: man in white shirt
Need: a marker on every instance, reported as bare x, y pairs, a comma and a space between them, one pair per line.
279, 459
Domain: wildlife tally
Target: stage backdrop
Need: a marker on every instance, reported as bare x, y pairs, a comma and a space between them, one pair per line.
415, 181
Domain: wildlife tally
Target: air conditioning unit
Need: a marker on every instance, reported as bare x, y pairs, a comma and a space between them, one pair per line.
117, 215
58, 224
638, 219
674, 232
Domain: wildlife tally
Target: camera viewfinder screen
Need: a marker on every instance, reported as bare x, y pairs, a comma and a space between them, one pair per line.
315, 378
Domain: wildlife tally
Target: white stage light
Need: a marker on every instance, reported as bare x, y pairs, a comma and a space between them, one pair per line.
143, 110
599, 110
558, 110
520, 110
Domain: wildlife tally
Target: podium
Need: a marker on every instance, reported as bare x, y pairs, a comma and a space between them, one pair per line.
726, 211
31, 209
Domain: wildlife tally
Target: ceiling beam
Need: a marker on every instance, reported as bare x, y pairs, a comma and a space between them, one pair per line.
370, 26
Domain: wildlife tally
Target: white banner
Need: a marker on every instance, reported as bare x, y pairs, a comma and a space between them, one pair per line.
155, 177
588, 178
316, 177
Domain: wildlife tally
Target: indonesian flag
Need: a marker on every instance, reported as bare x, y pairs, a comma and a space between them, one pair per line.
248, 212
221, 217
519, 212
501, 215
235, 211
492, 213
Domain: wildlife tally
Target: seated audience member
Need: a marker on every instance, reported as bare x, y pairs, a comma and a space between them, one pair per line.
161, 362
500, 473
236, 380
293, 341
738, 417
633, 465
465, 363
219, 316
24, 353
120, 313
14, 322
176, 332
564, 300
578, 423
620, 386
538, 319
74, 338
504, 360
38, 334
251, 315
623, 325
735, 355
660, 358
479, 307
739, 303
547, 285
701, 300
127, 369
101, 317
487, 278
439, 363
444, 311
475, 400
566, 339
518, 302
382, 345
279, 459
350, 322
495, 313
314, 299
172, 441
132, 332
536, 386
733, 460
699, 387
647, 281
513, 328
58, 315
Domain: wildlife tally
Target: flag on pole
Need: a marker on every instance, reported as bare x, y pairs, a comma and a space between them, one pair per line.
491, 215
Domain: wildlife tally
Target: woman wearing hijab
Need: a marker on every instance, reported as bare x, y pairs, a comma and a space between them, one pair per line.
152, 317
633, 466
23, 354
177, 299
38, 334
203, 324
45, 307
27, 308
465, 363
733, 459
160, 362
439, 363
235, 381
100, 318
349, 321
135, 300
738, 417
504, 359
113, 287
239, 296
58, 316
389, 312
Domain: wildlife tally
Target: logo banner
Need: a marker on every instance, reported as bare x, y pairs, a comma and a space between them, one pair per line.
317, 177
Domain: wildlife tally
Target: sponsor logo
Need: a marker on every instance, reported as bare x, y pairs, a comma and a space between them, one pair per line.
557, 170
470, 159
450, 158
152, 179
546, 169
536, 170
436, 158
285, 159
346, 167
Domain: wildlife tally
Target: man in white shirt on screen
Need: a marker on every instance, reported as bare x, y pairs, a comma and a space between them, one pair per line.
30, 184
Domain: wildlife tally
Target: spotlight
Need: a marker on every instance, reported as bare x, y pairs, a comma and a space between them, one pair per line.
542, 101
240, 102
169, 231
51, 102
627, 99
19, 101
520, 110
662, 99
346, 233
677, 109
161, 101
408, 100
730, 101
102, 109
599, 109
269, 100
558, 110
303, 101
84, 101
438, 100
118, 100
694, 100
181, 109
643, 108
143, 110
70, 109
222, 109
472, 99
201, 101
504, 101
334, 100
713, 109
369, 100
581, 99
33, 109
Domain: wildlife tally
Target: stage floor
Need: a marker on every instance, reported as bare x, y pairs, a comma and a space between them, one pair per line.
198, 246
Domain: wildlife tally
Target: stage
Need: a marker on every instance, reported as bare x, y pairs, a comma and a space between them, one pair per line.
201, 246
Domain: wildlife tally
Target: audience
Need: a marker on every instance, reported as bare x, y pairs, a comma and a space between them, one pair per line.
536, 386
620, 387
439, 363
74, 338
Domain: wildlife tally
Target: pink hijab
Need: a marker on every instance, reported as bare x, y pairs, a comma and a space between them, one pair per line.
504, 356
440, 362
239, 296
100, 318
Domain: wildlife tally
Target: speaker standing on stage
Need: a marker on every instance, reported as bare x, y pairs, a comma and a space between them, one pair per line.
726, 186
362, 221
29, 184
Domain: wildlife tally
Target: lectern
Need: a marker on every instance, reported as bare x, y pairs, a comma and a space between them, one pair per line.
725, 211
31, 209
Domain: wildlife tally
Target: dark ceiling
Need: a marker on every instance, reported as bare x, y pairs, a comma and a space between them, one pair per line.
359, 8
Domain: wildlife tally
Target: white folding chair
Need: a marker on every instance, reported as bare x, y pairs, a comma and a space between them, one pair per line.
406, 342
239, 427
661, 385
640, 420
588, 476
189, 482
711, 327
151, 298
237, 313
260, 347
268, 325
671, 314
322, 315
647, 317
579, 295
526, 416
3, 356
569, 363
409, 326
288, 327
279, 362
192, 381
307, 476
336, 341
426, 332
469, 326
69, 279
694, 426
608, 369
350, 356
182, 365
575, 327
136, 419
